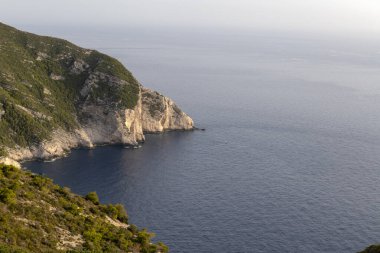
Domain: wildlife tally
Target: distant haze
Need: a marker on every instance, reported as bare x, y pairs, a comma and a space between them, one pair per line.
332, 16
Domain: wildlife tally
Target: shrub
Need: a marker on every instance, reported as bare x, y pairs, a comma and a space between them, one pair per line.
64, 191
163, 247
9, 171
93, 239
73, 209
143, 237
7, 196
93, 197
41, 181
116, 212
29, 130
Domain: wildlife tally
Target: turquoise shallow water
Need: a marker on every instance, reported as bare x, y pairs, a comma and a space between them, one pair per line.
290, 158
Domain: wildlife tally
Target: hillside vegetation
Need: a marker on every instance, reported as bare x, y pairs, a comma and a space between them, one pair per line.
371, 249
37, 215
42, 81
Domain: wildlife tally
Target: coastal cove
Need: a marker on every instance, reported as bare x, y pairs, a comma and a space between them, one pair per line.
290, 158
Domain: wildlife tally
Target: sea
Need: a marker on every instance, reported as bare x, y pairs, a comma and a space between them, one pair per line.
290, 157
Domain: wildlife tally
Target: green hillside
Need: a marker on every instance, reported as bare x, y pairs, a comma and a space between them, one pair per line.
41, 79
37, 215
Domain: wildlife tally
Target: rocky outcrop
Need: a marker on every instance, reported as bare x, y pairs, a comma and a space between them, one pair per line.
59, 145
160, 113
99, 125
9, 161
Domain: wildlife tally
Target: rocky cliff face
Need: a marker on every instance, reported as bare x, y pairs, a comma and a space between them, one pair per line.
154, 113
160, 113
55, 96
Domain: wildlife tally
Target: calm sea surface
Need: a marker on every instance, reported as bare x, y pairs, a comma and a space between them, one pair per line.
290, 160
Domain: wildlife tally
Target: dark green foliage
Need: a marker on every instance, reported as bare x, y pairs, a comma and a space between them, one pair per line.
40, 181
28, 131
371, 249
127, 96
7, 196
35, 214
39, 92
8, 171
108, 65
116, 212
163, 247
93, 197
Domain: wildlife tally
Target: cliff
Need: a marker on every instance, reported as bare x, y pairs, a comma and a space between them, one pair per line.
55, 96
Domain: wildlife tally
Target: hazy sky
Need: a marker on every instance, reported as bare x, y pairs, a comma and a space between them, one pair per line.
346, 16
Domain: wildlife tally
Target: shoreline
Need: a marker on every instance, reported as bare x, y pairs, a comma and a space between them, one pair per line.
83, 147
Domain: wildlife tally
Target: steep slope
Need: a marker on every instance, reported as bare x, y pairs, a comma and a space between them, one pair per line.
55, 96
38, 216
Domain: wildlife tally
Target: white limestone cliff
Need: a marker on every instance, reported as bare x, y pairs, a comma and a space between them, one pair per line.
160, 113
154, 113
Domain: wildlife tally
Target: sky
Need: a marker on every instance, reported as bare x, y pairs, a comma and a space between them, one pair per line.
331, 16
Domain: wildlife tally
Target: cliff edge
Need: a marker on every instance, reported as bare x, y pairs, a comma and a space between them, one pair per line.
55, 96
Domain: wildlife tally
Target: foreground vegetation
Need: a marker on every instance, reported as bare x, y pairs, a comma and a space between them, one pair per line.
371, 249
37, 215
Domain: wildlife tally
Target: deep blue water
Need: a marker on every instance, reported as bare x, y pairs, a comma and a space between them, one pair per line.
290, 160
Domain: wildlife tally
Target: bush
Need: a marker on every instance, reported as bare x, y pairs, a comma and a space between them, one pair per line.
163, 247
93, 239
7, 196
41, 181
64, 191
143, 237
116, 212
8, 171
93, 197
